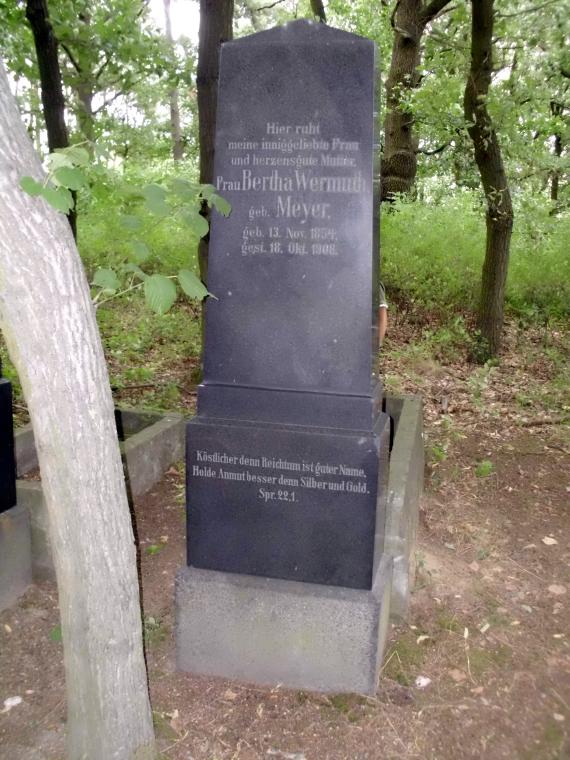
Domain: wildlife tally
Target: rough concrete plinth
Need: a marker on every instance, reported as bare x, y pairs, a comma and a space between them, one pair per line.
405, 483
268, 631
15, 555
152, 442
31, 499
150, 451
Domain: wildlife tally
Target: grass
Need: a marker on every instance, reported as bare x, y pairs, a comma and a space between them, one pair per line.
433, 254
404, 659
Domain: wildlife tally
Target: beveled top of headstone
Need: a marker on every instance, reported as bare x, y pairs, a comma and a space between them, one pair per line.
293, 268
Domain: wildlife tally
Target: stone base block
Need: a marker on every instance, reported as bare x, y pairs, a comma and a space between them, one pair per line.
267, 631
405, 483
15, 555
31, 499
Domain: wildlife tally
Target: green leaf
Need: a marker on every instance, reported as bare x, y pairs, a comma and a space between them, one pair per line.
206, 191
55, 161
55, 633
130, 222
155, 198
191, 284
140, 251
134, 269
30, 186
220, 204
184, 188
106, 279
58, 197
70, 177
160, 293
196, 222
153, 549
78, 155
101, 150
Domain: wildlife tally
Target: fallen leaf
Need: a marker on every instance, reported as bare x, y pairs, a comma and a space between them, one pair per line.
557, 589
457, 675
549, 541
474, 566
484, 628
560, 718
422, 682
422, 638
176, 723
10, 703
229, 694
7, 628
259, 710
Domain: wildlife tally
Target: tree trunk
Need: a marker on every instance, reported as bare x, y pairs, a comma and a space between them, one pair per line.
556, 109
49, 325
399, 163
499, 215
50, 78
216, 18
319, 10
175, 130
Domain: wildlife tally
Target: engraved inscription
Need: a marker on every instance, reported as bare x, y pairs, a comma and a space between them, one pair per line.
277, 478
297, 169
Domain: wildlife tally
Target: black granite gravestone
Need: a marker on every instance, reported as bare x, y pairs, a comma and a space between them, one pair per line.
7, 461
287, 455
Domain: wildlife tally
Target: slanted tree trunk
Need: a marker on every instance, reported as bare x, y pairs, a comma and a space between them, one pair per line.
175, 130
49, 325
216, 18
50, 77
399, 163
499, 214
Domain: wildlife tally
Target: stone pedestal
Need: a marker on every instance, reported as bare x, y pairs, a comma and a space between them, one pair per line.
267, 631
15, 555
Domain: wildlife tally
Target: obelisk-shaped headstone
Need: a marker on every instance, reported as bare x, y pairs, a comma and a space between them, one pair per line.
287, 455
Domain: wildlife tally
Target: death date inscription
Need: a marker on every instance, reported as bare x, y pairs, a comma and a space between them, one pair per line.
300, 172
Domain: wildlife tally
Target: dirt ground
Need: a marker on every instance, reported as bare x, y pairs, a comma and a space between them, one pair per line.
482, 667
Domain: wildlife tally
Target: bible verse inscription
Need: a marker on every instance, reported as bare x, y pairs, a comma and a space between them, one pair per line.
279, 479
291, 162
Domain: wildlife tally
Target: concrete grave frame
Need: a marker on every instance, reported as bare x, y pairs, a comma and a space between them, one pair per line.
153, 442
306, 635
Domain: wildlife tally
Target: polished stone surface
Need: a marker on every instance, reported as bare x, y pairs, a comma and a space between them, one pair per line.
287, 457
7, 460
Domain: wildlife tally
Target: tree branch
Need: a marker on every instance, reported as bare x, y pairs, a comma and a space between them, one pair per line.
433, 9
434, 152
71, 57
271, 5
527, 10
102, 68
393, 14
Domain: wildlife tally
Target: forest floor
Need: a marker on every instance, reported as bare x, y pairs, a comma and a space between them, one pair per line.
482, 666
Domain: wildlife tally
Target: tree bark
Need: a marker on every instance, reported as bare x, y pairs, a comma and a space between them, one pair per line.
216, 18
499, 214
319, 10
49, 325
50, 78
399, 163
556, 109
175, 130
